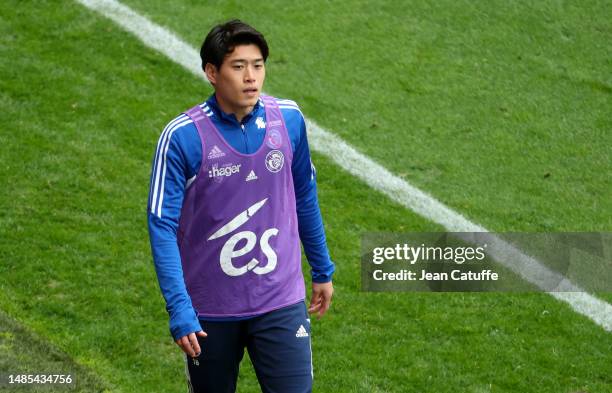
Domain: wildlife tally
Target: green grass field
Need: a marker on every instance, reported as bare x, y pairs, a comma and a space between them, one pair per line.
501, 110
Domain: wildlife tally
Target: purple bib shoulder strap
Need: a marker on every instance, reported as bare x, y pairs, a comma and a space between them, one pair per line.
201, 121
275, 120
273, 113
196, 113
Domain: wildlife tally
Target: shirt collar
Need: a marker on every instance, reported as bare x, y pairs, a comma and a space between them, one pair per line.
214, 105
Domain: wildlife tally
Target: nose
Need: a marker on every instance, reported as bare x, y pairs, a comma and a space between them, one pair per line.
249, 74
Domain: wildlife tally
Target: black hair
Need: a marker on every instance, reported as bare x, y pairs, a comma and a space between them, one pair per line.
224, 37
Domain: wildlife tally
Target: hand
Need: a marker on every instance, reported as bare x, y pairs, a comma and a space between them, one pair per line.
321, 298
189, 343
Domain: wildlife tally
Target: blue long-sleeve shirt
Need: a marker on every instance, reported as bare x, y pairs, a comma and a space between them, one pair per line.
176, 163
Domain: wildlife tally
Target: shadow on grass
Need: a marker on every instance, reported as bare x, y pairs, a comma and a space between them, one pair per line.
23, 352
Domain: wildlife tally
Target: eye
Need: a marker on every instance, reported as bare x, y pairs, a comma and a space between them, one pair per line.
237, 66
258, 66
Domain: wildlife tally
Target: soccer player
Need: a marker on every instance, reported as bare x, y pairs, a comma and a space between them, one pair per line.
233, 191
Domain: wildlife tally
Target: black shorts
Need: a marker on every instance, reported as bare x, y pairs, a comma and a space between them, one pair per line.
279, 347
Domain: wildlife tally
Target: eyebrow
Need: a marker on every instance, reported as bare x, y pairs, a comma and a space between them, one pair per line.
258, 60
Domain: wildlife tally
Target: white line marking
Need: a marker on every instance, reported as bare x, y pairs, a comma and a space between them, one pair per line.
364, 168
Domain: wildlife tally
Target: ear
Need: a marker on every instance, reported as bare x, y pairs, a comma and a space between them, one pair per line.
211, 73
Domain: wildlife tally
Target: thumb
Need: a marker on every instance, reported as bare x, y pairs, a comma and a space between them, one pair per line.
201, 333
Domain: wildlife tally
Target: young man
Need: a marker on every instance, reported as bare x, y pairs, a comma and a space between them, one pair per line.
233, 191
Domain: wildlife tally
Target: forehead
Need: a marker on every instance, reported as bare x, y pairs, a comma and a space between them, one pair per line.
248, 52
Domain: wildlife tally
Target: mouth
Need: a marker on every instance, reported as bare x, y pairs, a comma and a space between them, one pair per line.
251, 91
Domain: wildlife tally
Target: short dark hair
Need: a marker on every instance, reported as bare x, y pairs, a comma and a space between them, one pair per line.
224, 37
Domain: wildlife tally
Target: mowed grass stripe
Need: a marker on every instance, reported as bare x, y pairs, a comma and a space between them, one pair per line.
499, 109
83, 107
366, 169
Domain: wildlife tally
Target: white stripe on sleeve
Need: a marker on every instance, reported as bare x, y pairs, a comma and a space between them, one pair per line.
157, 163
160, 163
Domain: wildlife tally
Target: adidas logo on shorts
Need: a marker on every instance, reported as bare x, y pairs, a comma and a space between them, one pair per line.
301, 332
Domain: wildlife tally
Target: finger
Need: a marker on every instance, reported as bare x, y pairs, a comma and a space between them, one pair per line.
325, 306
179, 342
314, 301
315, 304
187, 346
193, 340
201, 333
314, 308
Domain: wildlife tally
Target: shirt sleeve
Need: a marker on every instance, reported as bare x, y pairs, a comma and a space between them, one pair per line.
170, 172
310, 222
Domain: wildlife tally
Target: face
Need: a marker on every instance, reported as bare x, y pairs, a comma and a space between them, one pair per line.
239, 80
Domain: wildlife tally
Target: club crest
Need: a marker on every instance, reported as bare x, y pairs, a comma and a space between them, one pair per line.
275, 160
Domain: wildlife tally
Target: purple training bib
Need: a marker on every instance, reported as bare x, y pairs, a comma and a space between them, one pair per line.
238, 234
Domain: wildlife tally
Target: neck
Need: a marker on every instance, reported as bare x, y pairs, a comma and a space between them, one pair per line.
239, 112
242, 112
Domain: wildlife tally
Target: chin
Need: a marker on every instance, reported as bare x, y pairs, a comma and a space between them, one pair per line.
252, 101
